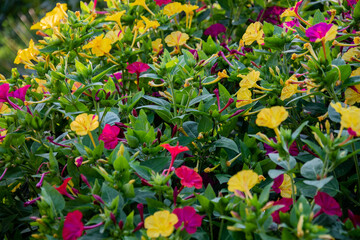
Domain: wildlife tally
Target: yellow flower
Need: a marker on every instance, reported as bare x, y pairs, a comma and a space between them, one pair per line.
243, 97
4, 108
150, 24
114, 36
351, 55
176, 39
160, 224
172, 8
26, 55
249, 80
189, 11
254, 33
116, 17
2, 133
53, 18
220, 76
99, 46
271, 117
84, 123
243, 181
285, 187
331, 34
143, 4
288, 13
350, 117
355, 73
352, 94
288, 91
41, 88
156, 46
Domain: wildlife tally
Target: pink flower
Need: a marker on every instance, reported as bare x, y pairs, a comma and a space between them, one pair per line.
319, 31
277, 183
328, 205
215, 30
286, 202
189, 178
293, 150
117, 75
162, 2
4, 95
73, 226
62, 188
109, 136
355, 219
188, 218
137, 67
174, 151
20, 93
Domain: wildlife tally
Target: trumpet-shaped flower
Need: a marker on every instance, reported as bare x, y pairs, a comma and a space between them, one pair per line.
286, 202
172, 9
189, 12
282, 185
350, 117
157, 46
4, 108
4, 95
271, 117
41, 86
20, 93
73, 226
288, 91
328, 205
321, 32
143, 4
62, 188
220, 76
189, 178
160, 224
249, 80
243, 181
53, 18
351, 55
176, 39
109, 136
162, 2
253, 33
352, 94
114, 36
99, 46
150, 24
116, 17
292, 12
174, 151
243, 97
84, 123
25, 56
214, 30
188, 219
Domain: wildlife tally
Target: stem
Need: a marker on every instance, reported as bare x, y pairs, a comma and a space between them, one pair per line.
173, 95
211, 228
221, 228
356, 162
92, 139
323, 45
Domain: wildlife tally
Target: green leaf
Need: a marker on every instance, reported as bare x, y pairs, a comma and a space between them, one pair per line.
224, 142
264, 196
282, 163
318, 17
108, 194
200, 98
268, 29
333, 114
319, 184
98, 77
356, 14
52, 197
190, 128
209, 192
297, 132
157, 164
312, 169
205, 124
158, 101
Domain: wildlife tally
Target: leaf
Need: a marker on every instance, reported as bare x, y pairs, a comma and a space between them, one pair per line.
98, 77
356, 13
297, 132
205, 124
264, 196
200, 98
282, 163
227, 143
333, 114
108, 194
318, 17
318, 183
158, 101
52, 197
110, 118
157, 164
312, 169
209, 192
190, 128
274, 173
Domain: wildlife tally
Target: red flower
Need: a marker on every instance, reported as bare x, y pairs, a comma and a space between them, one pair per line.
20, 93
189, 178
62, 188
286, 202
109, 136
328, 204
215, 30
137, 67
73, 227
162, 2
174, 151
277, 183
355, 219
188, 218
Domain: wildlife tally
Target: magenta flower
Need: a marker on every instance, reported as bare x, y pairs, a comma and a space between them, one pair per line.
73, 226
188, 218
355, 219
328, 205
293, 150
277, 183
4, 96
62, 188
214, 30
109, 136
137, 67
286, 202
162, 2
20, 93
174, 151
321, 31
189, 178
117, 75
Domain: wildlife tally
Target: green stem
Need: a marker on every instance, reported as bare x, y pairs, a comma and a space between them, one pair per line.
173, 95
221, 228
211, 228
356, 162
